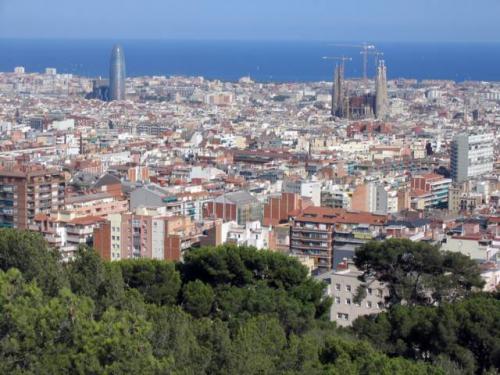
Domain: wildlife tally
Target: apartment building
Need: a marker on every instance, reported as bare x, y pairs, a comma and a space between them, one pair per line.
430, 191
343, 284
146, 233
471, 156
66, 231
155, 196
27, 192
328, 235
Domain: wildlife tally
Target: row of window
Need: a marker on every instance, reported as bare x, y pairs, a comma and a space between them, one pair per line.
369, 304
348, 288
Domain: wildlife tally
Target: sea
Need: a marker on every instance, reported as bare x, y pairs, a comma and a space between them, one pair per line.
263, 61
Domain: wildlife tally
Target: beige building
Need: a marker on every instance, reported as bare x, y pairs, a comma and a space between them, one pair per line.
343, 285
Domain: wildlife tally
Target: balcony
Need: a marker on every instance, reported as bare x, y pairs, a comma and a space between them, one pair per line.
305, 229
76, 239
318, 249
307, 238
80, 231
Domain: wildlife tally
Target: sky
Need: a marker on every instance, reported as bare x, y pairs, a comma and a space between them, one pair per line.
347, 20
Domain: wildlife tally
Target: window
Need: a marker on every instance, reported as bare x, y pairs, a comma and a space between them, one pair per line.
348, 288
337, 300
339, 315
370, 291
347, 301
346, 316
369, 304
380, 305
380, 292
337, 286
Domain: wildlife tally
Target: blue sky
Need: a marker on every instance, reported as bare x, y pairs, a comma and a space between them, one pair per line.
372, 20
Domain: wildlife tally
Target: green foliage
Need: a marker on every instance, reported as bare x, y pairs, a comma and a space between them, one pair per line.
52, 335
466, 333
227, 310
157, 281
248, 282
86, 273
198, 298
418, 273
29, 252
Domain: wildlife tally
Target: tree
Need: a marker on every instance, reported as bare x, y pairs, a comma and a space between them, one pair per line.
245, 279
174, 340
257, 347
29, 252
86, 272
198, 298
465, 333
156, 280
418, 273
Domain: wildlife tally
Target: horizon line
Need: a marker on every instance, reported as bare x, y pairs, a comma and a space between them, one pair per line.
228, 39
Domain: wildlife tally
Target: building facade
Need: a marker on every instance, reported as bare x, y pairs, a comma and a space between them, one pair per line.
343, 284
471, 156
26, 193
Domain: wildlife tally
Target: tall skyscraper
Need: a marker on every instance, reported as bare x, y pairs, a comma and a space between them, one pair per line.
381, 100
338, 93
471, 156
117, 74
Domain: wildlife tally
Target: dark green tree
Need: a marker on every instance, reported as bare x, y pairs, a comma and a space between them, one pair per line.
29, 252
158, 281
418, 273
86, 272
197, 298
465, 332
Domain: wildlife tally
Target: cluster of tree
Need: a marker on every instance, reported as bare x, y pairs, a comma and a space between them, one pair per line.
228, 310
417, 273
464, 336
433, 313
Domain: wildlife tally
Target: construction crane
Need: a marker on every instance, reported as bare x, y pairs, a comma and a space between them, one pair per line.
366, 49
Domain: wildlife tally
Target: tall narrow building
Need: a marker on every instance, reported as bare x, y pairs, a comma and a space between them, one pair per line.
381, 99
338, 92
117, 74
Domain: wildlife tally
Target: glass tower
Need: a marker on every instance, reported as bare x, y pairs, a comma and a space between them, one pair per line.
117, 74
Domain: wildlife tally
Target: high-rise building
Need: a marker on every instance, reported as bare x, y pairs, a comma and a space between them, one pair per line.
381, 100
338, 92
25, 193
117, 74
471, 156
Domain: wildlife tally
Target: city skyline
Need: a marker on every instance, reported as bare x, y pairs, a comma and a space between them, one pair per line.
386, 20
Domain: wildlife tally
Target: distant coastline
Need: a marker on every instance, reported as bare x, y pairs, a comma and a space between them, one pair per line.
264, 61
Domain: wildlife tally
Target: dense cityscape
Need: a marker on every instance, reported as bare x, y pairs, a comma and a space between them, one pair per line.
150, 167
211, 200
